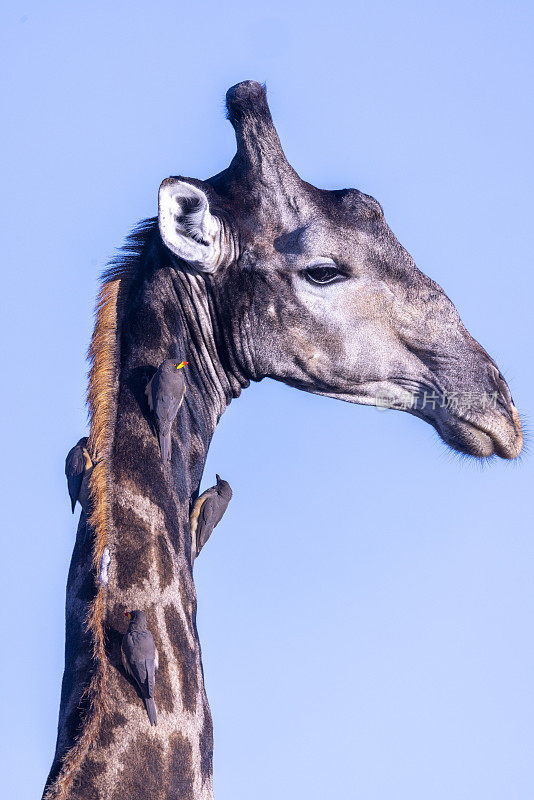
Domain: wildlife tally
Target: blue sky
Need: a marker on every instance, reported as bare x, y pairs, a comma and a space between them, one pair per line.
366, 606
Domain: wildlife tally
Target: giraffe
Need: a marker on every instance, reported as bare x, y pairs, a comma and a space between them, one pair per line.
252, 273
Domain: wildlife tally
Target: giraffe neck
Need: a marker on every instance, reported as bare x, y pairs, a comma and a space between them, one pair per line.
161, 313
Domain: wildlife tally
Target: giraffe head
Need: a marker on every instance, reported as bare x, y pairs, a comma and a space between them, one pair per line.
313, 289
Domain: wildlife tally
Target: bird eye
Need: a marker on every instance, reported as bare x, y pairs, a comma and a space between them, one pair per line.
322, 274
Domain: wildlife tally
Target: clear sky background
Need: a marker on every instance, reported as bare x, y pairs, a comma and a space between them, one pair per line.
366, 606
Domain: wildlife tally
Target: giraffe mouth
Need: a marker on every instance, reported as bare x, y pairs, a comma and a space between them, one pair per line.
498, 434
495, 432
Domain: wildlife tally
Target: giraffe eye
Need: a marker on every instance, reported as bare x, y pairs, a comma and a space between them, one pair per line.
323, 273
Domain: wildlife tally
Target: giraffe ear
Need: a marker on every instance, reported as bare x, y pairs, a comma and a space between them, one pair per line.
187, 226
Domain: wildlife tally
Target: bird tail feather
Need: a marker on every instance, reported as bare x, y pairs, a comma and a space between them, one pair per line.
151, 710
165, 446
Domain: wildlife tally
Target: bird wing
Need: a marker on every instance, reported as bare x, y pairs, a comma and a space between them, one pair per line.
75, 461
74, 469
150, 669
208, 518
166, 408
138, 671
137, 651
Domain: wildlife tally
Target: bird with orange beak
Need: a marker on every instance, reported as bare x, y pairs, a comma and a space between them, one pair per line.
140, 659
207, 512
78, 469
165, 392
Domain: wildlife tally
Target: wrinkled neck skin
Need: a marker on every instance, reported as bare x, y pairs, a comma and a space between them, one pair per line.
194, 317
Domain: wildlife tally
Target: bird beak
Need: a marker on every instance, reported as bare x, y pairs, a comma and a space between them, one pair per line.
127, 614
182, 364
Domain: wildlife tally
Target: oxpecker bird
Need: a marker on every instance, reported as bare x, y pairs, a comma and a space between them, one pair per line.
78, 469
207, 512
140, 659
165, 392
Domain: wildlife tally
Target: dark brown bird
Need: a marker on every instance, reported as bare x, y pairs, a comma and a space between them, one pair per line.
140, 659
207, 512
165, 392
78, 469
